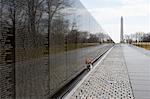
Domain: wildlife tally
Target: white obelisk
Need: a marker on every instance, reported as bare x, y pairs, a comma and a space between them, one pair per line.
121, 32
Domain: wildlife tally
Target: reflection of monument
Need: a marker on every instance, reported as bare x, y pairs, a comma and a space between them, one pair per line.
121, 32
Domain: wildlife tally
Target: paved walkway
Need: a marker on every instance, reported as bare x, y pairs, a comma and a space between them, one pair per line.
123, 73
138, 64
108, 80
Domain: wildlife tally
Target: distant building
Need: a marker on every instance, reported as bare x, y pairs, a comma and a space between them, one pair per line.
121, 32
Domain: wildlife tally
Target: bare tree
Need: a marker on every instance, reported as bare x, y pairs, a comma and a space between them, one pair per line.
35, 12
53, 8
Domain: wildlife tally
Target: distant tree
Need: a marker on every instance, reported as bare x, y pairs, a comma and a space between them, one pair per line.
146, 38
93, 39
101, 37
59, 30
73, 36
83, 36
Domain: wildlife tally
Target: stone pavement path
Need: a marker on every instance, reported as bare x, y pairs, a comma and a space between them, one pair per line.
138, 63
109, 79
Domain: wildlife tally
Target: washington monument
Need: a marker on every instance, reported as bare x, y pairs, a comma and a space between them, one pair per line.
121, 32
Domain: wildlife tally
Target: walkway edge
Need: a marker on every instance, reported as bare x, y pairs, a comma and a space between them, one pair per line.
83, 79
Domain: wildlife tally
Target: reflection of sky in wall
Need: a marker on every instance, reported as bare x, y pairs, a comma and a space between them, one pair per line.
136, 15
84, 20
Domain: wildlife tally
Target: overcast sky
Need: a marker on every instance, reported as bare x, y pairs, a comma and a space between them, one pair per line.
136, 15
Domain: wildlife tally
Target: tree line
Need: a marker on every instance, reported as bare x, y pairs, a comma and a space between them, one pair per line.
138, 37
36, 23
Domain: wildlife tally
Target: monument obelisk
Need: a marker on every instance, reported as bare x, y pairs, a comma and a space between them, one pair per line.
121, 32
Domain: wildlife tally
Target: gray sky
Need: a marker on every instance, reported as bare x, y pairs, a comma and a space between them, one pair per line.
136, 15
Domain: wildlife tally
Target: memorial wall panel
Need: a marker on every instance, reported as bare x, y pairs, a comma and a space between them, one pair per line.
44, 44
